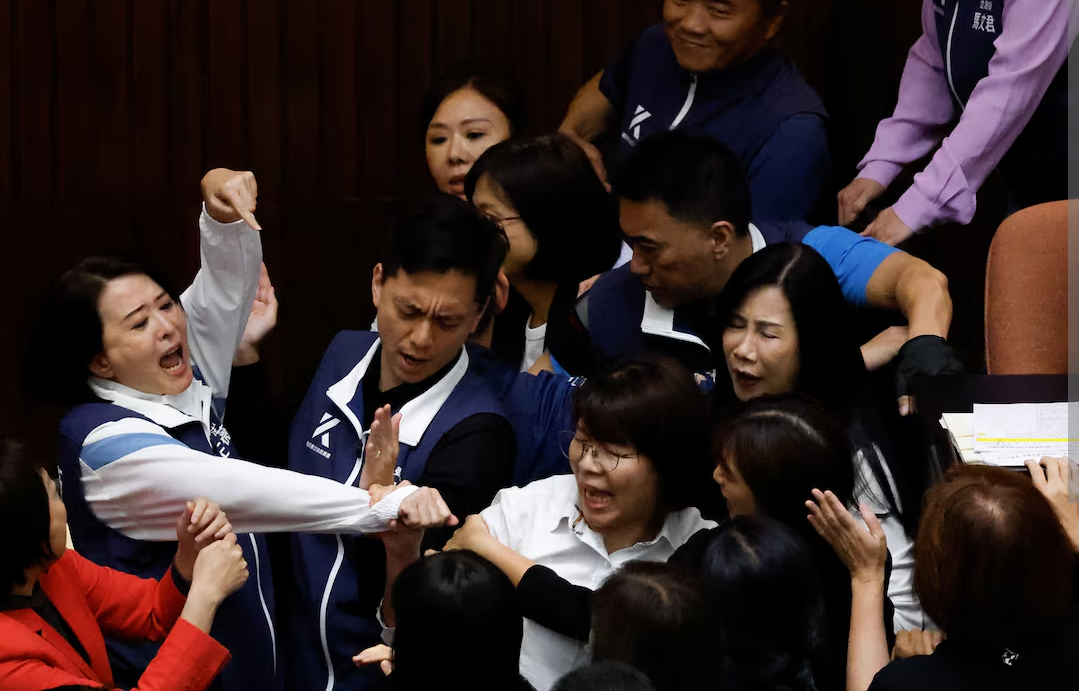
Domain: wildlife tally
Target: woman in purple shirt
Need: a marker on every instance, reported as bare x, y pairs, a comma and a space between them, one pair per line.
995, 73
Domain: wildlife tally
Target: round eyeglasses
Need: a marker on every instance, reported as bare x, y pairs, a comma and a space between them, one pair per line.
576, 448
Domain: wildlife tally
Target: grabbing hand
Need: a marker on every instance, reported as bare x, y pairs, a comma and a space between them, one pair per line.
853, 199
202, 523
1053, 477
594, 156
916, 642
220, 570
425, 509
472, 535
381, 654
260, 323
889, 228
864, 552
231, 196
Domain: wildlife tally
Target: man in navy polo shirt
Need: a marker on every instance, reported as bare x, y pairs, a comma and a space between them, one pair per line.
431, 291
685, 209
709, 67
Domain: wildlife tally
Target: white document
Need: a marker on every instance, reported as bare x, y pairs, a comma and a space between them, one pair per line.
1031, 429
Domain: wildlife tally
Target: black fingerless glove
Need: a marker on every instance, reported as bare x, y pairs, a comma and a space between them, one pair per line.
925, 355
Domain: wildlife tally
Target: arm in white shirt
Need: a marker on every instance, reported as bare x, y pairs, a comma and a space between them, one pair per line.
136, 479
218, 302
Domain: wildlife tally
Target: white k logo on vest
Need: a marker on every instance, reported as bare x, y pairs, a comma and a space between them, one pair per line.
639, 116
322, 432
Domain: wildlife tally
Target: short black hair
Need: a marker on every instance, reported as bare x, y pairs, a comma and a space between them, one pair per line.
450, 607
654, 405
67, 334
699, 180
652, 616
604, 676
765, 602
441, 233
554, 188
501, 91
24, 516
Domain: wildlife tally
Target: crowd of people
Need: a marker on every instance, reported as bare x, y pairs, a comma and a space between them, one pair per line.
619, 423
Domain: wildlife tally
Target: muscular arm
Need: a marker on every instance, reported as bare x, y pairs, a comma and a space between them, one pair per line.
917, 289
588, 113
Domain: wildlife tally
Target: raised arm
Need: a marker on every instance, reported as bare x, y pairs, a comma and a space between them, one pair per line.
137, 480
218, 302
587, 118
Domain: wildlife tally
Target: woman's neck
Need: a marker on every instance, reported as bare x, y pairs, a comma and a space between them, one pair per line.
621, 538
29, 583
539, 296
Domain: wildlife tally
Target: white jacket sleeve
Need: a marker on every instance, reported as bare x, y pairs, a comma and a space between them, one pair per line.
218, 302
136, 479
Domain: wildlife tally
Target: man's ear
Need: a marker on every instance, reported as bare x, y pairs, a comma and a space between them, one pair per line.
722, 237
100, 367
377, 281
502, 292
775, 22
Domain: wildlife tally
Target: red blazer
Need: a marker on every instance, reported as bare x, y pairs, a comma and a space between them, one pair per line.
96, 601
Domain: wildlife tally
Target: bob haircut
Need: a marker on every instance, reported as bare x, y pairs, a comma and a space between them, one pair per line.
992, 564
450, 607
68, 332
503, 93
653, 405
784, 446
552, 185
24, 516
763, 594
441, 233
652, 617
698, 179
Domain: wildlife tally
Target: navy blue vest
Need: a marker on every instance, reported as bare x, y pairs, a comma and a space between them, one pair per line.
1036, 166
741, 106
241, 622
340, 577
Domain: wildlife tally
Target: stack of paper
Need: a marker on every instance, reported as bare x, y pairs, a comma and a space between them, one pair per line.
1010, 434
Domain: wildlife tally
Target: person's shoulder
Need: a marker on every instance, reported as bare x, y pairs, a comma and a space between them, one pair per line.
536, 497
654, 38
614, 281
351, 341
81, 420
920, 672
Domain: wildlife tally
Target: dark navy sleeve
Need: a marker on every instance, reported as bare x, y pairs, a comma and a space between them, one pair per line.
539, 409
791, 169
853, 258
615, 81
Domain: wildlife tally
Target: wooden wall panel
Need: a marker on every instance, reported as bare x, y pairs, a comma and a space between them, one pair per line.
111, 111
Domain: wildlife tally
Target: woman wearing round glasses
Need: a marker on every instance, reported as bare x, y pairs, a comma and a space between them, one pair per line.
639, 455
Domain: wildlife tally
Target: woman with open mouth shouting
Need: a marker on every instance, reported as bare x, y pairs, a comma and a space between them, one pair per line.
146, 377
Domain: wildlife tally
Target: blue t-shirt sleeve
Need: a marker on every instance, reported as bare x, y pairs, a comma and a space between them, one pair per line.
853, 258
791, 169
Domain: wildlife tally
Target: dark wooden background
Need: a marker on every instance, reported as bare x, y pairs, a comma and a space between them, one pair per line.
111, 111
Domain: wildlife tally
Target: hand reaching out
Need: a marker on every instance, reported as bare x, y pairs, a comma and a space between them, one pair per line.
381, 654
382, 449
854, 198
425, 509
889, 228
260, 323
916, 642
1054, 477
201, 523
472, 535
864, 552
231, 196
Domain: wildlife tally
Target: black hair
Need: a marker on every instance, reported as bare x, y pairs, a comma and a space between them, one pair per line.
698, 179
604, 676
503, 93
769, 8
551, 184
765, 602
458, 625
831, 367
652, 616
653, 405
24, 516
441, 233
67, 334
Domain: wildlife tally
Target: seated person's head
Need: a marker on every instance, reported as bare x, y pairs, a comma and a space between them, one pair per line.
605, 676
463, 113
685, 209
640, 449
458, 625
774, 452
786, 327
764, 601
992, 564
433, 286
113, 319
561, 223
709, 35
33, 519
652, 617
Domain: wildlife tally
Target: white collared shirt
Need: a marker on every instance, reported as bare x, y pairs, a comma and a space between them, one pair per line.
542, 523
